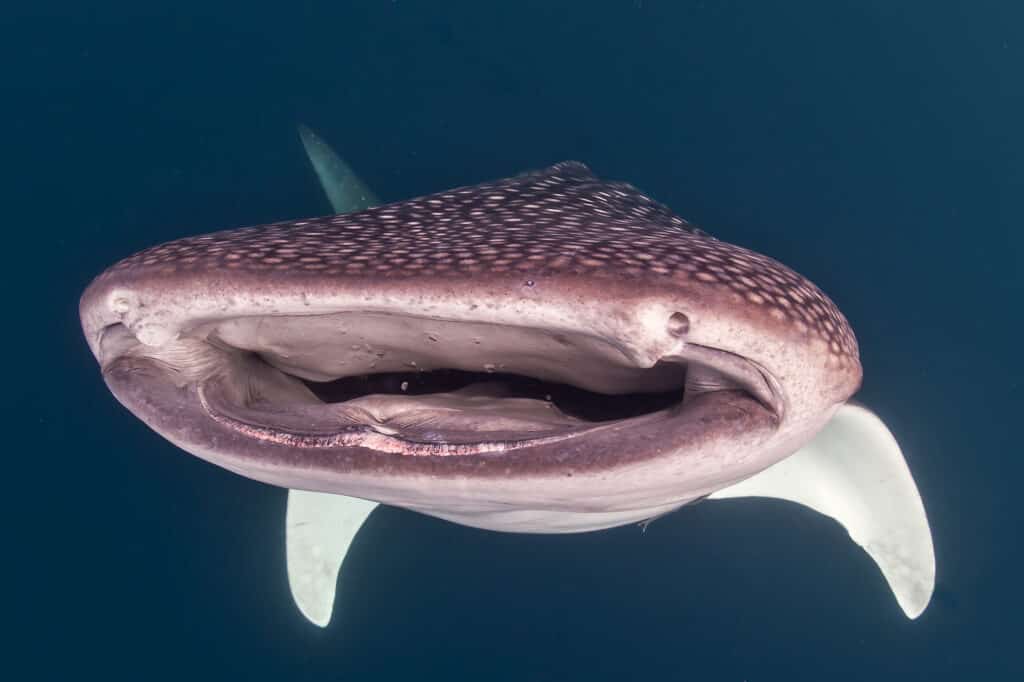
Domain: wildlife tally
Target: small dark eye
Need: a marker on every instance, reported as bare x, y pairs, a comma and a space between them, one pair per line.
678, 324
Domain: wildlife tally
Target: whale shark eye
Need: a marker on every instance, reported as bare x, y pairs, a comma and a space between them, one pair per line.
678, 324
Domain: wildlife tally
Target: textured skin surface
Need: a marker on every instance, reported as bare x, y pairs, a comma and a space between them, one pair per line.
558, 222
593, 270
577, 280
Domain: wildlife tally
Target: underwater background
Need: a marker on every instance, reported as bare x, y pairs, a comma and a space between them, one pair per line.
874, 146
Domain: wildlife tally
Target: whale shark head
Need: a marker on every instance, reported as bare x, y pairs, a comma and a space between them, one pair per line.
547, 353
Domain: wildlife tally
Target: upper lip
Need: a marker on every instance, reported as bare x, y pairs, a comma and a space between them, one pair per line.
743, 372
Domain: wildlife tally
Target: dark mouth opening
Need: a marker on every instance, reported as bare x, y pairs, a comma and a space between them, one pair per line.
573, 401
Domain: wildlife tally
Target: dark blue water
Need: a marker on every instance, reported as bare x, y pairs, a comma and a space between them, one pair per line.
874, 146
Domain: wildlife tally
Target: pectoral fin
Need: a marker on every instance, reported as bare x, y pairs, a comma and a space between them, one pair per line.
854, 472
319, 529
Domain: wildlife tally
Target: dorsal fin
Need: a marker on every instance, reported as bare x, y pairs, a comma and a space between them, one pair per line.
344, 189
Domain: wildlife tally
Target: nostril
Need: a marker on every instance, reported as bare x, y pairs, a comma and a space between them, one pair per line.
120, 305
678, 324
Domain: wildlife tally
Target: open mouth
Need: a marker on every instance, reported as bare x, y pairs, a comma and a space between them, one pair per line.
423, 387
418, 386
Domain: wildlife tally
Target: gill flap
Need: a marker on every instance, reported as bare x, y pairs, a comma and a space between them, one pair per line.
854, 472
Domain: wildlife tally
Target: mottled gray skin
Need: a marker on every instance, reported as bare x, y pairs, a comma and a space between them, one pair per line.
554, 274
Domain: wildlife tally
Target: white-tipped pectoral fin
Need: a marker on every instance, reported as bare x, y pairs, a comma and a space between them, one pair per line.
319, 529
854, 472
344, 189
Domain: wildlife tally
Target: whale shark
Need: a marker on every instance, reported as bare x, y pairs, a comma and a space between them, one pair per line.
547, 353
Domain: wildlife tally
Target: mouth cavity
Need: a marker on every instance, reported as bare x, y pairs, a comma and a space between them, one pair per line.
572, 401
415, 386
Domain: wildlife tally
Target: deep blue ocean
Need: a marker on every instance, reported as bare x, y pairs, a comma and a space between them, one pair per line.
874, 146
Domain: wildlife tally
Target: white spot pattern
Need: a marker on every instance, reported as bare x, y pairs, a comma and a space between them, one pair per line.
559, 220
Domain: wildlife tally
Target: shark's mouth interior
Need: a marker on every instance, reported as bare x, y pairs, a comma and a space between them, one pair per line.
422, 387
414, 385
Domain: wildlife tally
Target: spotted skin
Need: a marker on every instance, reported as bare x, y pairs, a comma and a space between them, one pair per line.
565, 277
555, 275
559, 222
